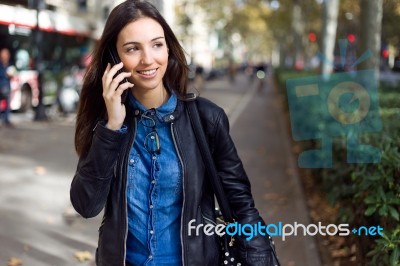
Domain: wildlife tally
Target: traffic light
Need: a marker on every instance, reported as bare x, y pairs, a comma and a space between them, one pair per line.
385, 53
351, 38
312, 37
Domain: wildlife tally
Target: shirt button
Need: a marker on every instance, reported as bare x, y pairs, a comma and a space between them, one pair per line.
150, 257
171, 117
151, 206
153, 182
154, 157
131, 161
151, 232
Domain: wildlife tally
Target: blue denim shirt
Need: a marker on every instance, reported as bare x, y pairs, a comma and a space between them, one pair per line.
4, 79
154, 193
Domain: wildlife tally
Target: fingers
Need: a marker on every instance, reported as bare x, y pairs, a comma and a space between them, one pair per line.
122, 87
111, 74
112, 80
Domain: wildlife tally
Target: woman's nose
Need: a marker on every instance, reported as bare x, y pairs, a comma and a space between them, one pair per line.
147, 57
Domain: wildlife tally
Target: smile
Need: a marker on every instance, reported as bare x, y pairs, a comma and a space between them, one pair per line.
147, 72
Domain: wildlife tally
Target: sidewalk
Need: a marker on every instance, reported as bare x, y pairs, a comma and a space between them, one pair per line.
258, 128
37, 162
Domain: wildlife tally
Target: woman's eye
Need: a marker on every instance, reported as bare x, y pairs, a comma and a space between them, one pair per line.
158, 45
132, 49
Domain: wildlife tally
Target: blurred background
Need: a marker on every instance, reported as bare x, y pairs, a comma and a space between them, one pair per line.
54, 38
240, 55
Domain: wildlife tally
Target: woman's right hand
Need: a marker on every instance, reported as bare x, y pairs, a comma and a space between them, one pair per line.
112, 91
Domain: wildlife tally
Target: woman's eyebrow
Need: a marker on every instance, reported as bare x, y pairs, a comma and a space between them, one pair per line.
136, 43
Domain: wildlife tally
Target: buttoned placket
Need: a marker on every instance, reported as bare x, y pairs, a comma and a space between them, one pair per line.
154, 161
153, 190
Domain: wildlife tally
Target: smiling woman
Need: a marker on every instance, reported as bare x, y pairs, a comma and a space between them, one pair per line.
143, 50
139, 159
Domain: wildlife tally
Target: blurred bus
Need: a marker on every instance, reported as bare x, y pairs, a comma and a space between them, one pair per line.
64, 43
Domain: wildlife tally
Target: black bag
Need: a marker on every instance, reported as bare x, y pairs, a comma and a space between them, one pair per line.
229, 249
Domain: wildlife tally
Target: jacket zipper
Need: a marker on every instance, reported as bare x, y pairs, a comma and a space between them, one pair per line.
183, 190
126, 178
209, 220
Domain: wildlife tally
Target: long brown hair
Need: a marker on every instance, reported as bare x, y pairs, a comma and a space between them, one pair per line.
92, 107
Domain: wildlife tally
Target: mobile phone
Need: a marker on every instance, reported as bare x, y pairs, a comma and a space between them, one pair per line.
114, 58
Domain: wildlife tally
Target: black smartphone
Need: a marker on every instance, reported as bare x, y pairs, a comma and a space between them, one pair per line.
115, 60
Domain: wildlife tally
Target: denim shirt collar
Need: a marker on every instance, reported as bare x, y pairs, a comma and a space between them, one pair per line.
165, 113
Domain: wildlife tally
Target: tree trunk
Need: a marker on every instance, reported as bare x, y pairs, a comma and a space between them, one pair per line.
370, 36
299, 34
330, 15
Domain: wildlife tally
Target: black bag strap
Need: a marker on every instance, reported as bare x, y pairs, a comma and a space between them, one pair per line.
212, 171
208, 160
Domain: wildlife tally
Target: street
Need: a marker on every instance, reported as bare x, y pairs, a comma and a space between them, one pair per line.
37, 162
311, 90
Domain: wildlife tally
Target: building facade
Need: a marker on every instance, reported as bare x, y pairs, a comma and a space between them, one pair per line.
83, 20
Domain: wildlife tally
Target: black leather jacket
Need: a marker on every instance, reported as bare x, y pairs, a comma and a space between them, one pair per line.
100, 181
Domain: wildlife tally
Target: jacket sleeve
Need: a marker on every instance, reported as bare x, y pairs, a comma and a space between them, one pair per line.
258, 250
231, 171
95, 171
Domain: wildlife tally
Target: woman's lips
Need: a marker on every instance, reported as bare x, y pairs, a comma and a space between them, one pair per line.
147, 73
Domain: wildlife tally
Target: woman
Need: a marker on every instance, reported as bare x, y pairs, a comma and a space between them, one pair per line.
5, 86
139, 159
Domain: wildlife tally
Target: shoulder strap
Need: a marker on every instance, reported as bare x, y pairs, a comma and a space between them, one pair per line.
208, 160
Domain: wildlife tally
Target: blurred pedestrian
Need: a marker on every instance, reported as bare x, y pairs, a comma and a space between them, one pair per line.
232, 70
250, 72
261, 73
140, 160
199, 79
5, 86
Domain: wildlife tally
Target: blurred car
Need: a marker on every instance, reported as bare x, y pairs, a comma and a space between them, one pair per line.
69, 92
396, 64
215, 73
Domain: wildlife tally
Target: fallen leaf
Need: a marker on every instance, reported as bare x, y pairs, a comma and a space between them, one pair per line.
291, 263
13, 261
50, 220
340, 253
83, 256
40, 170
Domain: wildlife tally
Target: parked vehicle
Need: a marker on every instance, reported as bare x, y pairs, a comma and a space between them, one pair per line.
396, 65
68, 94
24, 90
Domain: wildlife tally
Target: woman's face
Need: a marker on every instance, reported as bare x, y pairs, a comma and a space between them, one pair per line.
4, 56
143, 49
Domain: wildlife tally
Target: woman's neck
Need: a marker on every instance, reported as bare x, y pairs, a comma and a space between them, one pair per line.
151, 98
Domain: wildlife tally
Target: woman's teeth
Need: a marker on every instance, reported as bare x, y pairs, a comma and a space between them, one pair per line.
148, 72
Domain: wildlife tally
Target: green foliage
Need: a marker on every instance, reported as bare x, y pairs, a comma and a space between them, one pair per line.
387, 249
227, 18
368, 194
390, 19
390, 100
